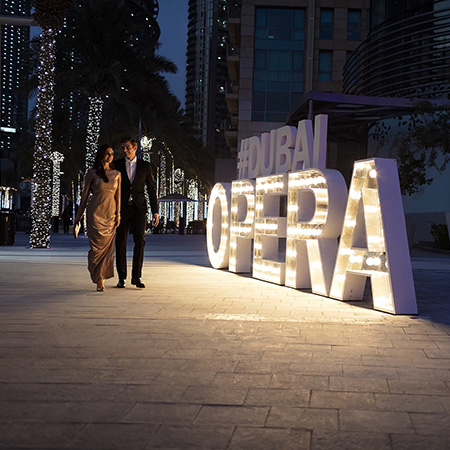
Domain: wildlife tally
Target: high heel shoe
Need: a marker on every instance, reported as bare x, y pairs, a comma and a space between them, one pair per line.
100, 289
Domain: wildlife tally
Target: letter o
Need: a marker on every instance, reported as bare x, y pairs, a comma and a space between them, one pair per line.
218, 225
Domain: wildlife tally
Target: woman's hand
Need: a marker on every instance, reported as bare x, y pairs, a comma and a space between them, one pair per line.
117, 221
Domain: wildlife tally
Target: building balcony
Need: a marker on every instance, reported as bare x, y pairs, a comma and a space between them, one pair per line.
231, 138
233, 63
234, 30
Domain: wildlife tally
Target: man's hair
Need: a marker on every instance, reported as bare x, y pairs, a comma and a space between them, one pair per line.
128, 139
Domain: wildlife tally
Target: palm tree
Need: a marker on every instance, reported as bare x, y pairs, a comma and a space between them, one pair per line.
49, 14
104, 48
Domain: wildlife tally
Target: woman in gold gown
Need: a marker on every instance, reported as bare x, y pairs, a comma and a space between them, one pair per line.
103, 214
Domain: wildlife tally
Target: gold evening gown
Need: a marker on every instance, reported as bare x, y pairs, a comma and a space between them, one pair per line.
102, 208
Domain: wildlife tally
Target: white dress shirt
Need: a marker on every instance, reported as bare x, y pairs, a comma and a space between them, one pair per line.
131, 168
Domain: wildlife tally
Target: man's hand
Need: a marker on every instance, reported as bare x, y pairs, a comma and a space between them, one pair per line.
155, 219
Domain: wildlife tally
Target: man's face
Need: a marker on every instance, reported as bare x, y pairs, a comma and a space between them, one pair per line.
129, 150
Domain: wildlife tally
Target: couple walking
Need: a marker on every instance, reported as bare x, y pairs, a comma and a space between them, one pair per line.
118, 201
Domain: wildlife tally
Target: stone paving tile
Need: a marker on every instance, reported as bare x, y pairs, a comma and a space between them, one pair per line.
37, 435
375, 421
329, 440
232, 415
59, 392
307, 418
183, 378
267, 397
302, 382
172, 413
214, 395
420, 442
76, 411
409, 403
349, 370
352, 384
244, 380
421, 386
434, 424
246, 438
342, 400
151, 393
112, 436
197, 436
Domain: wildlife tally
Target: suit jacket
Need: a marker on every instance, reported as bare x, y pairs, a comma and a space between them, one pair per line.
143, 177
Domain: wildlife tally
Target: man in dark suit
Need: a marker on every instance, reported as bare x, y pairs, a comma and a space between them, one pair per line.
136, 174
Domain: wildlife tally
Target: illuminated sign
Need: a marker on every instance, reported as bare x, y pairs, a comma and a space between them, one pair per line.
333, 240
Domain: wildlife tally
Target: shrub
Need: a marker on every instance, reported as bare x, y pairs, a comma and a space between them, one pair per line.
440, 234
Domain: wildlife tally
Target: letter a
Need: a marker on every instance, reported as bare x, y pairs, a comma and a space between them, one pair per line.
375, 199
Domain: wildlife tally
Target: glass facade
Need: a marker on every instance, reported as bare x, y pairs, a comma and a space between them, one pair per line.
14, 74
325, 64
326, 23
278, 73
353, 25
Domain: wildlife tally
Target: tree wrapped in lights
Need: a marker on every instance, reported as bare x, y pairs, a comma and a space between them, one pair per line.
49, 14
57, 159
93, 130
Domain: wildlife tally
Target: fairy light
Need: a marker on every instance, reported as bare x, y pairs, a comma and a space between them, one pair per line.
242, 225
93, 130
146, 149
316, 206
270, 227
6, 197
162, 181
218, 230
383, 256
192, 192
57, 159
201, 201
41, 191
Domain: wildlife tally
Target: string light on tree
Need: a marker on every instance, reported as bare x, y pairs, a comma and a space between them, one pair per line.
162, 181
93, 130
41, 191
57, 159
146, 149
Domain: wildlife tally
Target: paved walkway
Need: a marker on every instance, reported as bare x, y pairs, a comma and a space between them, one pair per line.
208, 359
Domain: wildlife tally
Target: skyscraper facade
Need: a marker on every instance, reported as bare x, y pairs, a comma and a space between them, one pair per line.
206, 73
280, 50
406, 53
14, 42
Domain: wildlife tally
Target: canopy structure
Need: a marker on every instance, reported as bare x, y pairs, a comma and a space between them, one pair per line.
176, 198
351, 111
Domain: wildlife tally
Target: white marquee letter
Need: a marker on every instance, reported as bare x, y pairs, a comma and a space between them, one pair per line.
254, 156
285, 145
268, 143
218, 230
242, 225
269, 227
379, 249
316, 207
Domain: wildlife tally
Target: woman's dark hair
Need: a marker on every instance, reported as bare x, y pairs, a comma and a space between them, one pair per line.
98, 162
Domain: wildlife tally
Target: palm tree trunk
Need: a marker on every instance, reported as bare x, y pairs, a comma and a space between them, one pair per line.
41, 194
93, 129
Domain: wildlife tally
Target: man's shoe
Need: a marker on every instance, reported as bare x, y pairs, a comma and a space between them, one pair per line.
138, 283
121, 284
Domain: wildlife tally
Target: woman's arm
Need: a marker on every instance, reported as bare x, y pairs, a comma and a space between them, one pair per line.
84, 197
117, 198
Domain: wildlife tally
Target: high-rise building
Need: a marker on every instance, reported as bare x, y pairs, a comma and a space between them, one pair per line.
14, 41
281, 51
206, 73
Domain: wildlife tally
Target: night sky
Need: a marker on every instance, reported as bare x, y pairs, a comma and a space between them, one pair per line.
172, 20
